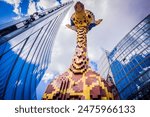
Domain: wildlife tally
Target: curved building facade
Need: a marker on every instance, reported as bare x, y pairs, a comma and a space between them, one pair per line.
130, 63
25, 49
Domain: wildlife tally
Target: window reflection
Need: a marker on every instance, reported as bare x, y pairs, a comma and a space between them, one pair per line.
130, 61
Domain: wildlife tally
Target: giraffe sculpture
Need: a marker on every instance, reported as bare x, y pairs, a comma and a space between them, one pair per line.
79, 82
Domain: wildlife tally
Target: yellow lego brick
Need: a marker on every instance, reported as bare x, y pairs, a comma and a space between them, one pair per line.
104, 98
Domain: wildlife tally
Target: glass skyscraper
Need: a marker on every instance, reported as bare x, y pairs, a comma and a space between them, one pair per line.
25, 49
130, 63
106, 73
104, 65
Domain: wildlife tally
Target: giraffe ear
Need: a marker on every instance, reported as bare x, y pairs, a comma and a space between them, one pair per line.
97, 22
68, 25
71, 27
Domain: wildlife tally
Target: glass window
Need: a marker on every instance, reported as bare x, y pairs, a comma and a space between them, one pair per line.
139, 69
139, 58
27, 85
119, 87
127, 92
133, 87
143, 65
122, 84
116, 77
132, 64
2, 48
136, 72
148, 73
126, 69
146, 42
122, 96
146, 52
146, 27
145, 77
138, 83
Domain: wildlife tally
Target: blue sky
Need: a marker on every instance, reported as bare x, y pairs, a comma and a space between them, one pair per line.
119, 17
6, 16
15, 9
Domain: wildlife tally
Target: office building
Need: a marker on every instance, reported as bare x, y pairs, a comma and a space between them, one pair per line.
106, 73
25, 51
130, 62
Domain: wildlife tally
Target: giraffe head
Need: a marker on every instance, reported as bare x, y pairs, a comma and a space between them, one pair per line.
79, 7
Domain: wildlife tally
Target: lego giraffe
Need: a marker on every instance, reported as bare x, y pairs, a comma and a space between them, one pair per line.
79, 81
80, 60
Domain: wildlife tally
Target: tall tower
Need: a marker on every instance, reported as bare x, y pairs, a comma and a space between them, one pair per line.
104, 65
79, 81
106, 73
130, 62
25, 49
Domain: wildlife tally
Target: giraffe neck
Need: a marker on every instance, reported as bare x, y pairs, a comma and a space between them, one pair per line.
80, 60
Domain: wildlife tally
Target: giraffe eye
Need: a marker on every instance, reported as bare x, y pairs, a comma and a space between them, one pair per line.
89, 16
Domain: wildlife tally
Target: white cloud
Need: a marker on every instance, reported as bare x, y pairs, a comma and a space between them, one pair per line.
47, 77
16, 18
17, 9
32, 8
63, 48
63, 1
16, 6
45, 4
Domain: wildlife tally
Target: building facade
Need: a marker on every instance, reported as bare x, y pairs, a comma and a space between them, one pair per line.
130, 63
106, 73
25, 51
104, 65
